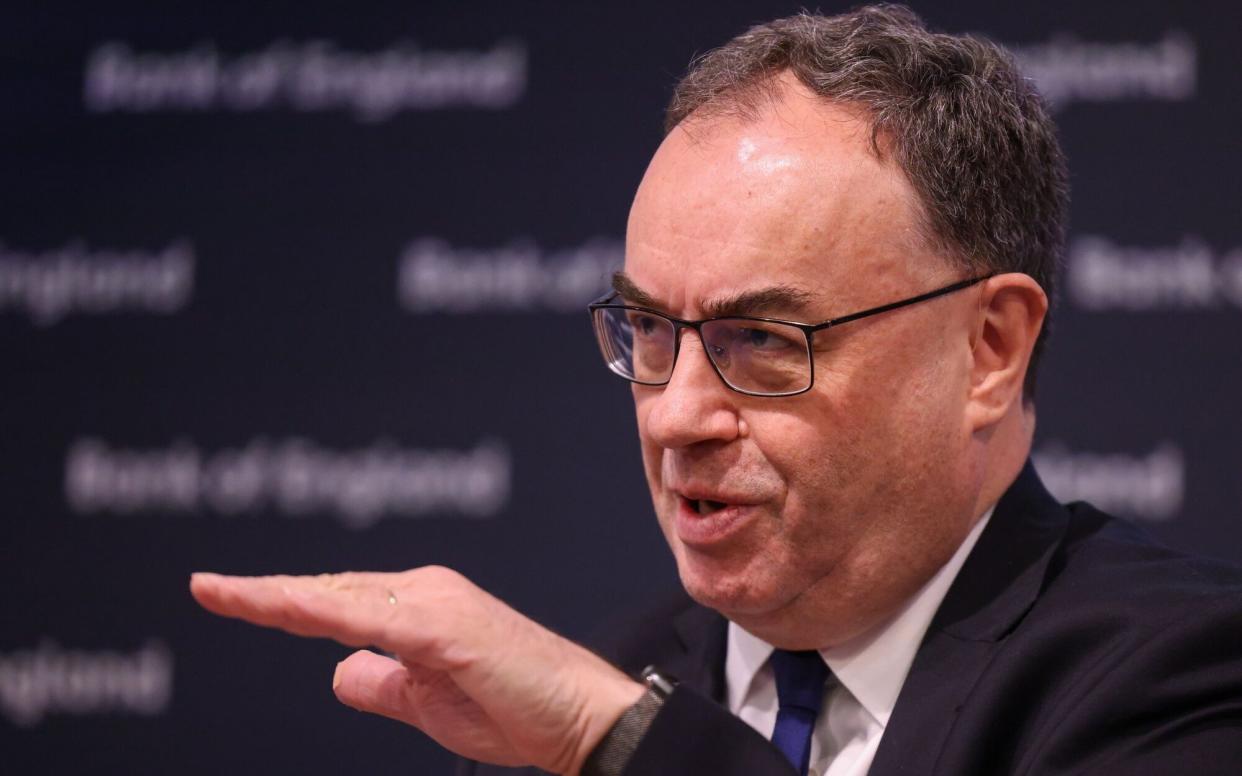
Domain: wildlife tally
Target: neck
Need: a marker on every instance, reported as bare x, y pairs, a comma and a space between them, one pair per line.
1003, 455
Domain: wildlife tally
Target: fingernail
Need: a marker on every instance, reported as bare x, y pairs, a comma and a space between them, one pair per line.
336, 677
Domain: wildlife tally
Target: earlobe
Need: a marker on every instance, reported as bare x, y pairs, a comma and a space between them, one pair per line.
1009, 317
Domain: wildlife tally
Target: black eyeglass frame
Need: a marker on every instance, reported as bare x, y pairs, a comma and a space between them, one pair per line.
808, 330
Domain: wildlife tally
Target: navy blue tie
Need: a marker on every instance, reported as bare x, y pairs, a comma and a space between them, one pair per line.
800, 678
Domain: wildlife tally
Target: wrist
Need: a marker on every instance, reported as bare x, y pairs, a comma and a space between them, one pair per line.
608, 705
612, 752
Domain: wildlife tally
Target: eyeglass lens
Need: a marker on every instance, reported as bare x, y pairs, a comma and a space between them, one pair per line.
752, 356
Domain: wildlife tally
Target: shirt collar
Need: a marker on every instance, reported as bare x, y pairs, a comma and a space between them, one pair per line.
872, 666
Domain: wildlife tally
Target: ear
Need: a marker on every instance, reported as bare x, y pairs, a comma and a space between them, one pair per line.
1011, 313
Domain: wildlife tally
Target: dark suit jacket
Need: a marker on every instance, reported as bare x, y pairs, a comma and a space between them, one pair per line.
1069, 643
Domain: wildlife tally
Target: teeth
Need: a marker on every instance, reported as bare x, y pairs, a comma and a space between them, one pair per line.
707, 506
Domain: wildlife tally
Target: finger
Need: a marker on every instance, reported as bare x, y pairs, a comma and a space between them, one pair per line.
351, 608
426, 699
373, 683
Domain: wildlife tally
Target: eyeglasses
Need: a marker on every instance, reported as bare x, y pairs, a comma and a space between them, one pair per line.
754, 356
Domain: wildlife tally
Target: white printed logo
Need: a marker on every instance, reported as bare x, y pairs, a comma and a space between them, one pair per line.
292, 477
1150, 487
1189, 276
1068, 70
434, 276
50, 285
52, 680
310, 77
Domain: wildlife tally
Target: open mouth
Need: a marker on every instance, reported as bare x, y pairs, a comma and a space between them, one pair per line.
704, 523
705, 506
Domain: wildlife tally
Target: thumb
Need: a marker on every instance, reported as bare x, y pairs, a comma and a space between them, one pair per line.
427, 699
373, 683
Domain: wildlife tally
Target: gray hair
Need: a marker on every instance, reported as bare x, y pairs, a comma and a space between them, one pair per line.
970, 132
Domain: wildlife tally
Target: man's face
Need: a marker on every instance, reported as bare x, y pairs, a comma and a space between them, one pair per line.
838, 503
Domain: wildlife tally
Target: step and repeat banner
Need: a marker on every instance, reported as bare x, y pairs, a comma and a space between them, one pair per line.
301, 287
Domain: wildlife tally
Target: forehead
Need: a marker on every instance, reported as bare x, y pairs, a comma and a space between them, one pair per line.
793, 197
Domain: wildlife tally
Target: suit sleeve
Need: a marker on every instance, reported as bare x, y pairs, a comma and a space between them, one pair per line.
693, 735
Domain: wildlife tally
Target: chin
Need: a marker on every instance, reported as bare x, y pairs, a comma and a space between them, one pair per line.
735, 595
768, 613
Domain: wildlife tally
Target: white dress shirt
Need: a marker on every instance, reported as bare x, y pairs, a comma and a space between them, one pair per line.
869, 669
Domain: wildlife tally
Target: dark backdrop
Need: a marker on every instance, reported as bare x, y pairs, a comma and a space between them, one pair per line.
298, 288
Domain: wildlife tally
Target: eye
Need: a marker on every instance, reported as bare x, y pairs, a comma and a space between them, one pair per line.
761, 339
756, 338
644, 325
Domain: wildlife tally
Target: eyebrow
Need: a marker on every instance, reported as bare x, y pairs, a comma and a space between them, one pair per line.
627, 289
787, 299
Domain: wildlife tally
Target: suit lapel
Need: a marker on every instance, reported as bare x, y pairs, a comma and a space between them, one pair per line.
997, 585
701, 664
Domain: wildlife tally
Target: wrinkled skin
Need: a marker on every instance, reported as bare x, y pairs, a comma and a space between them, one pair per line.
836, 504
851, 495
469, 671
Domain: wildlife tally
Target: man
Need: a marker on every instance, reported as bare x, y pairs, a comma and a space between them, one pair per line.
837, 275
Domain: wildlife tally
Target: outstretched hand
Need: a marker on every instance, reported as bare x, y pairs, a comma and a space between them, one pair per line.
469, 671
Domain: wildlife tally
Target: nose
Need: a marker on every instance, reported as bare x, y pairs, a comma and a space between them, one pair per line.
695, 406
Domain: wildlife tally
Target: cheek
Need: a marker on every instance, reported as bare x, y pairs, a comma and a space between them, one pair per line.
641, 412
653, 454
847, 455
902, 423
897, 391
642, 407
812, 450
